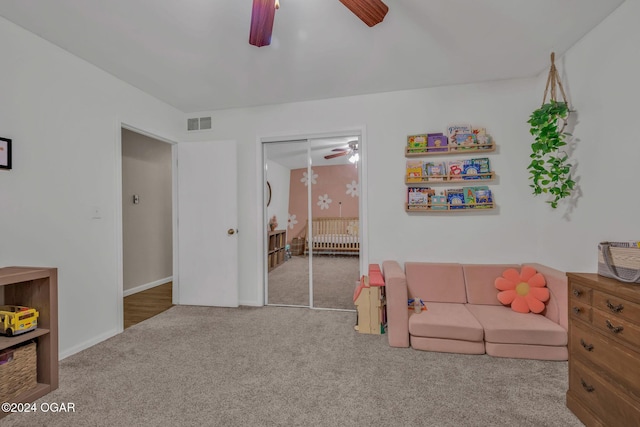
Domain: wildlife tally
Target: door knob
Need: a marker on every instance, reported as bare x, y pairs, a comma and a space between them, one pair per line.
231, 231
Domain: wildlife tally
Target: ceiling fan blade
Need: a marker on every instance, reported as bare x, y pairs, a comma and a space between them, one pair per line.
340, 149
331, 156
371, 12
262, 15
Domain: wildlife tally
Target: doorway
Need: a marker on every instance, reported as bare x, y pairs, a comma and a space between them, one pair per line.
312, 185
147, 226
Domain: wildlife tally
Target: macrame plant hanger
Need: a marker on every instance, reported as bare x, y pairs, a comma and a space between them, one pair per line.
553, 81
549, 169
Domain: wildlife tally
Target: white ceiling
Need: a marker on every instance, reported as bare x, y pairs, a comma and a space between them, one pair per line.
195, 54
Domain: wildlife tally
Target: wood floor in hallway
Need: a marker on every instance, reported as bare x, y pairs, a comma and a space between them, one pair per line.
143, 305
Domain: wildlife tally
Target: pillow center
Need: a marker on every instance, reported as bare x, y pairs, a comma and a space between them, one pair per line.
522, 288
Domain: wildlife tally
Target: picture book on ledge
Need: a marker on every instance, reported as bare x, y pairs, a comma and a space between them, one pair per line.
477, 197
467, 137
435, 171
455, 198
438, 203
417, 143
419, 195
457, 132
476, 168
437, 142
414, 170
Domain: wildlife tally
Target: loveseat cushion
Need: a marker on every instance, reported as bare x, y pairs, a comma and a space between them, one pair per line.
503, 325
443, 345
446, 320
480, 282
438, 282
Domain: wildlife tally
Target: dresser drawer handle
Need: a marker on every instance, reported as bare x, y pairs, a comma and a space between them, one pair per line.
615, 308
587, 387
577, 310
588, 347
614, 329
577, 292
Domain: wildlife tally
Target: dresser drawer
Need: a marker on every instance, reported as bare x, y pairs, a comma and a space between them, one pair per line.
613, 325
580, 292
602, 398
617, 306
580, 310
620, 363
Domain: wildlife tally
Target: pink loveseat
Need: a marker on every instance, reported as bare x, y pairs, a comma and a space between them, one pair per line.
464, 315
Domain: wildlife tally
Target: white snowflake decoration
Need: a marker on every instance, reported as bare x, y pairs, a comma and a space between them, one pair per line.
352, 189
292, 220
324, 201
305, 178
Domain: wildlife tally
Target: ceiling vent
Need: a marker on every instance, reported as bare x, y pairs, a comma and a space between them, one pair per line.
202, 123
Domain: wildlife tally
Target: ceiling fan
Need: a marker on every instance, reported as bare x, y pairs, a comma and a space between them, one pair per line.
371, 12
350, 150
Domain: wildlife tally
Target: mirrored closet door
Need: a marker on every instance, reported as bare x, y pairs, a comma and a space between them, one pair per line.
287, 281
334, 237
312, 194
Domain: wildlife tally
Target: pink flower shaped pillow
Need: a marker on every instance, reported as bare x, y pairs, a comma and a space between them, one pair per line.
525, 291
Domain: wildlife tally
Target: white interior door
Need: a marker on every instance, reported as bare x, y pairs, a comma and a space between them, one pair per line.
207, 224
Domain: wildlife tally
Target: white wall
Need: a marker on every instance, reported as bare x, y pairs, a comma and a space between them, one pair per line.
504, 235
601, 75
64, 118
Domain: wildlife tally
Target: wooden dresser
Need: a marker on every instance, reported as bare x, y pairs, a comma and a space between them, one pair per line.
604, 351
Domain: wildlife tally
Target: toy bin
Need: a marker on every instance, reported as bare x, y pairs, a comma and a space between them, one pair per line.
18, 370
297, 246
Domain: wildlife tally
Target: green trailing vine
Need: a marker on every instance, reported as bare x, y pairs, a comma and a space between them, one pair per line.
550, 170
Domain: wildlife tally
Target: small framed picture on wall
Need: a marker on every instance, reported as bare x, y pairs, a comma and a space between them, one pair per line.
5, 153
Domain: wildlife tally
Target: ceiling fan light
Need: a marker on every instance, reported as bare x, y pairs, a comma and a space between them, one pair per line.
354, 157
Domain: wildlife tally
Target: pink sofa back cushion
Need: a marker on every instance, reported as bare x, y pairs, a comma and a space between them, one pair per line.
480, 281
436, 282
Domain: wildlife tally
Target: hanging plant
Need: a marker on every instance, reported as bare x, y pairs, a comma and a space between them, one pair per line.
550, 171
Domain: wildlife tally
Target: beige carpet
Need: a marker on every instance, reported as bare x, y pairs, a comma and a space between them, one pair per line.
334, 280
280, 366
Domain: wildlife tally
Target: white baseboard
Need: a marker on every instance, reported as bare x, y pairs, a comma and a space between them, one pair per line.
89, 343
146, 286
251, 303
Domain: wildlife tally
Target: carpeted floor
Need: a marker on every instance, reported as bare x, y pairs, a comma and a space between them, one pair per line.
203, 366
334, 280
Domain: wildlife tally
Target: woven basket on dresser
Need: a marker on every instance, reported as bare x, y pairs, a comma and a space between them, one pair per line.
620, 261
20, 374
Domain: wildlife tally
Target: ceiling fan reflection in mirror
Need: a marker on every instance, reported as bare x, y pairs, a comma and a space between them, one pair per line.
371, 12
350, 150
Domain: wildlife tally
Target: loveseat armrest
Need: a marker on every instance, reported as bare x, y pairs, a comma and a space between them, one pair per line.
557, 283
397, 312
